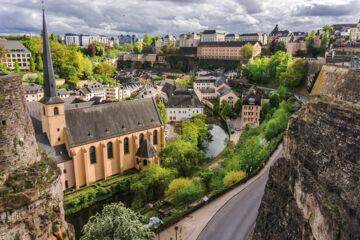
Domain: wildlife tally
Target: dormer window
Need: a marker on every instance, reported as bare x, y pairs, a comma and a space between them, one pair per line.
251, 101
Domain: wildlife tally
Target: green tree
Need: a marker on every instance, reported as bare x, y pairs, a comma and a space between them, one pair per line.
295, 73
327, 28
280, 46
32, 64
127, 47
104, 68
182, 156
86, 67
99, 48
175, 186
73, 80
274, 100
116, 222
190, 193
238, 106
162, 110
154, 39
226, 109
147, 40
180, 66
194, 130
138, 47
282, 91
17, 67
39, 63
67, 71
252, 155
233, 177
247, 50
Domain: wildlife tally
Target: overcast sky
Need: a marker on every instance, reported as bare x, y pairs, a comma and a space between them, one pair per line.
161, 17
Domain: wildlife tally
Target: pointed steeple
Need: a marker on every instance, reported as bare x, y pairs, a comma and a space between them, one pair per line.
50, 91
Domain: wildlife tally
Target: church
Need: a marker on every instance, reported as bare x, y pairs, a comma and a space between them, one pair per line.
93, 142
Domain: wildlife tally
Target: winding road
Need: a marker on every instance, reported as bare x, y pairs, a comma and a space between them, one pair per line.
236, 218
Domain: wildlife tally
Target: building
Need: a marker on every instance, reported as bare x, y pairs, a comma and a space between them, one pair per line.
225, 93
112, 93
355, 32
127, 39
189, 40
206, 81
297, 42
252, 102
279, 36
71, 38
84, 40
213, 36
33, 92
182, 103
94, 142
225, 50
88, 91
254, 37
15, 50
167, 40
231, 37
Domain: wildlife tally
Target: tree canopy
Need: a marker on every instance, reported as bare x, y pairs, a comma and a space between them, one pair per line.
247, 50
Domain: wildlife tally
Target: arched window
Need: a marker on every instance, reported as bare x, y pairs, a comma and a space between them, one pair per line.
126, 146
92, 155
155, 137
110, 150
44, 113
56, 111
141, 139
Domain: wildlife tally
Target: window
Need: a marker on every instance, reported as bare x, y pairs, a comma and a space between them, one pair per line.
141, 139
56, 111
58, 129
64, 170
144, 162
92, 155
110, 150
126, 146
66, 184
155, 137
44, 111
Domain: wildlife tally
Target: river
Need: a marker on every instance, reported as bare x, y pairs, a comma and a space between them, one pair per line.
217, 143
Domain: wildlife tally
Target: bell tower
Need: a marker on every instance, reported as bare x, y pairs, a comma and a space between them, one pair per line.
52, 107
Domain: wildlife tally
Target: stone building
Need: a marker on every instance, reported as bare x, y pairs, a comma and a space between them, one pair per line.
33, 92
231, 37
252, 102
94, 142
189, 40
254, 37
225, 50
213, 36
16, 50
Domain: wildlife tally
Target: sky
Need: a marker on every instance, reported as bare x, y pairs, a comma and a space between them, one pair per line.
162, 17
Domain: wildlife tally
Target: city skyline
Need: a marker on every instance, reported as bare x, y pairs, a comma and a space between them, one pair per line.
163, 17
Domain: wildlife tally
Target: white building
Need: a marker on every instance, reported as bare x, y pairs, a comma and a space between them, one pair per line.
112, 93
213, 36
165, 41
16, 50
254, 37
204, 82
182, 107
33, 92
231, 37
189, 40
92, 90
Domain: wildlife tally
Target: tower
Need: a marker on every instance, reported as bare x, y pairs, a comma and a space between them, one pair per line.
52, 107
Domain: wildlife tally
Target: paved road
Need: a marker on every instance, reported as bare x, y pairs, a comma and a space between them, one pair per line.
235, 219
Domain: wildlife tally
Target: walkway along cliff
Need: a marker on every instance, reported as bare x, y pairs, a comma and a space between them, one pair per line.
313, 192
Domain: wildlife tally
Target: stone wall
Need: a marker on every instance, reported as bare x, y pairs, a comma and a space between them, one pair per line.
313, 69
17, 141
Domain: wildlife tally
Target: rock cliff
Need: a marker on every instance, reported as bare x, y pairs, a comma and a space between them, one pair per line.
313, 192
30, 188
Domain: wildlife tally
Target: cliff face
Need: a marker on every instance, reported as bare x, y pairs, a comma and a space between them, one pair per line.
30, 188
313, 192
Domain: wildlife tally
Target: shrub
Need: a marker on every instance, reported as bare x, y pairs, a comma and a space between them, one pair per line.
175, 186
233, 177
191, 193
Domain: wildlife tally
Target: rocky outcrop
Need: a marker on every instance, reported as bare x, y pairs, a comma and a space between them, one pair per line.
313, 192
30, 189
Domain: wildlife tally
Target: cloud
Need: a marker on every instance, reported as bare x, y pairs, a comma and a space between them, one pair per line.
161, 17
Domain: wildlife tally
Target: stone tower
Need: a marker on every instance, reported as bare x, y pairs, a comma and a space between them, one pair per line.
52, 107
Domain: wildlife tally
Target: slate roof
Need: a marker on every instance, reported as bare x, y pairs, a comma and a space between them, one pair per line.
207, 90
14, 46
146, 150
226, 44
58, 153
32, 88
168, 89
253, 93
223, 91
86, 125
220, 80
250, 34
184, 101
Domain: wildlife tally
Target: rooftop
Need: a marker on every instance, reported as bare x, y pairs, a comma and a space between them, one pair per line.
225, 44
14, 46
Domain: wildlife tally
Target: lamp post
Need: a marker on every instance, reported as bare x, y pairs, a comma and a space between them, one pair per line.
176, 229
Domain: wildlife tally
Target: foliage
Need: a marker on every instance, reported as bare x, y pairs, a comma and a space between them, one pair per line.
226, 109
127, 47
162, 110
247, 50
238, 106
195, 130
32, 64
190, 193
274, 100
116, 222
138, 47
280, 46
3, 51
282, 91
294, 74
86, 68
67, 71
147, 40
182, 81
91, 50
180, 66
300, 53
175, 186
17, 67
39, 64
233, 177
182, 156
104, 68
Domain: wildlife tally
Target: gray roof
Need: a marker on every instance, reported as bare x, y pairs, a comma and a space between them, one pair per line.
250, 34
109, 120
58, 153
14, 46
184, 101
224, 90
220, 80
226, 44
32, 88
146, 150
207, 90
213, 31
254, 94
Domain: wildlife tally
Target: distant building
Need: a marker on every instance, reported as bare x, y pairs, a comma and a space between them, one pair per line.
84, 40
213, 36
231, 37
225, 93
189, 40
279, 36
92, 90
127, 39
355, 32
16, 50
254, 37
225, 50
204, 81
33, 92
252, 102
167, 40
297, 42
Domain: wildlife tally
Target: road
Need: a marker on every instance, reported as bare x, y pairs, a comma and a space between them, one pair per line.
236, 218
298, 96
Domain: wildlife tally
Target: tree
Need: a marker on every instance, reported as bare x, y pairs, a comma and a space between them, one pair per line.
32, 64
226, 109
182, 156
233, 177
67, 71
282, 91
162, 110
100, 49
190, 193
274, 100
280, 46
138, 47
17, 67
195, 130
127, 47
104, 68
247, 50
180, 66
116, 222
252, 155
295, 73
86, 67
175, 186
327, 28
154, 39
147, 40
91, 50
238, 106
73, 81
165, 49
39, 63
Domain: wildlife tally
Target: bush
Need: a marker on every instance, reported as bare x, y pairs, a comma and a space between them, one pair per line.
233, 177
175, 186
191, 193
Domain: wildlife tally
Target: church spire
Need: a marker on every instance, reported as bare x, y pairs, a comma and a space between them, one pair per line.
50, 92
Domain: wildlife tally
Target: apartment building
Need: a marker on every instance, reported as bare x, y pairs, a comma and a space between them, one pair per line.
254, 37
189, 40
213, 36
33, 92
92, 90
15, 50
231, 37
252, 102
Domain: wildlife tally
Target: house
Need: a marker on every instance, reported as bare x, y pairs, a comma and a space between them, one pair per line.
224, 92
297, 42
355, 32
226, 50
95, 142
252, 102
279, 36
91, 90
213, 36
112, 93
15, 50
254, 37
189, 40
204, 82
33, 92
